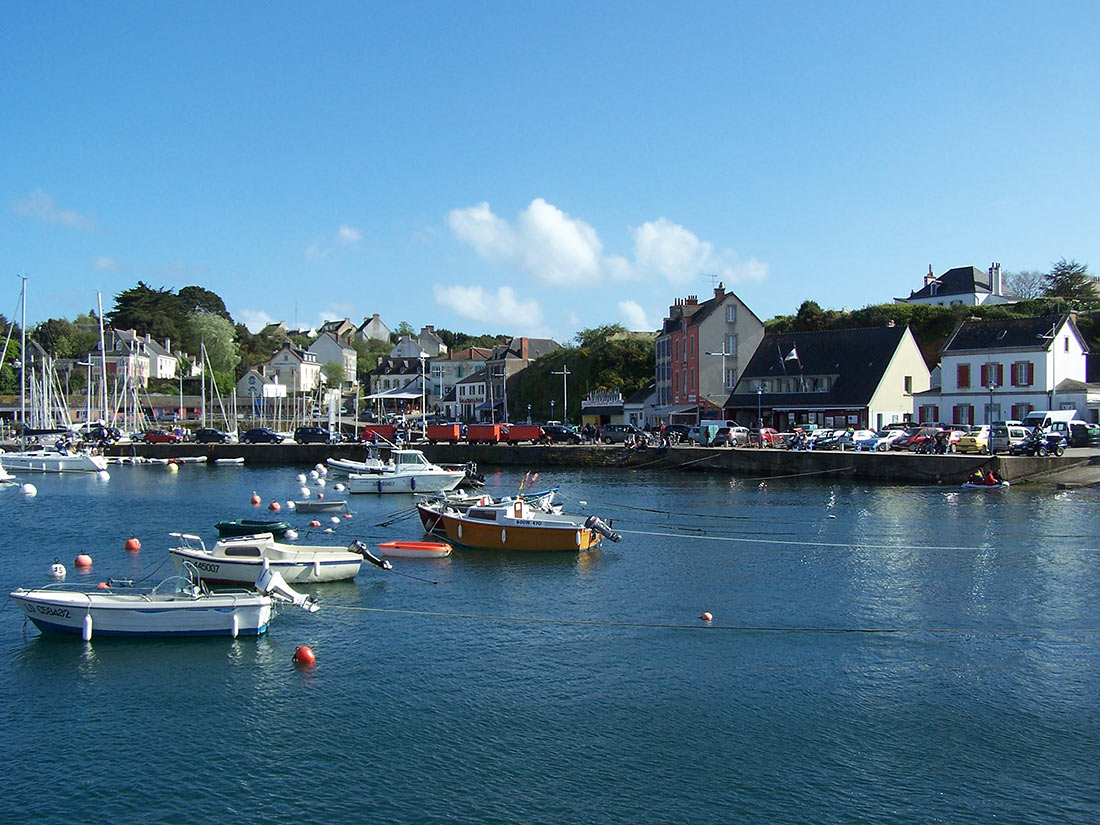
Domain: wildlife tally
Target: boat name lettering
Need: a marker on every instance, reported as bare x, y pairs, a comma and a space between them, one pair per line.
207, 566
526, 522
52, 611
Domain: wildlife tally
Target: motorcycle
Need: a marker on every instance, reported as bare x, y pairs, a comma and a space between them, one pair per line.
1040, 444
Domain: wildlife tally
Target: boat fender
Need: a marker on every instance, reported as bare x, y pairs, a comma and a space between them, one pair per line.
380, 485
86, 630
317, 568
412, 483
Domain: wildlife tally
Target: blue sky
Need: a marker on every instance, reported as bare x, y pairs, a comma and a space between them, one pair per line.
539, 168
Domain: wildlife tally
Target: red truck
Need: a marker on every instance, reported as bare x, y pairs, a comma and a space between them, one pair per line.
451, 433
383, 431
523, 432
483, 433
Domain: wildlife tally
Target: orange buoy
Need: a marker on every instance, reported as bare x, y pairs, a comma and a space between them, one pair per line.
303, 655
347, 515
255, 499
706, 617
83, 560
103, 586
275, 506
320, 495
132, 544
315, 523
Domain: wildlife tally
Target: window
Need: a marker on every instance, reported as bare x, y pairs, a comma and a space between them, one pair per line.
929, 412
962, 414
992, 373
731, 315
1020, 411
1065, 344
962, 378
731, 345
1023, 374
731, 377
908, 382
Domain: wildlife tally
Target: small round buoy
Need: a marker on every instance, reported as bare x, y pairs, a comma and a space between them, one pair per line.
320, 482
275, 506
83, 560
304, 491
303, 655
347, 515
57, 570
706, 617
173, 468
291, 534
301, 478
103, 586
29, 490
337, 486
335, 519
255, 499
132, 544
314, 474
320, 468
320, 495
831, 515
290, 505
329, 530
763, 485
315, 523
103, 475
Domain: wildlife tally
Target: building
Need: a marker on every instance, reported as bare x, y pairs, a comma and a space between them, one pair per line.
700, 353
507, 361
329, 347
472, 398
408, 346
344, 330
1004, 368
962, 286
448, 371
296, 369
431, 343
863, 378
372, 329
397, 385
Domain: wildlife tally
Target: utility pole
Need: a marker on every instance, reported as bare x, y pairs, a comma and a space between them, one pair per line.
563, 372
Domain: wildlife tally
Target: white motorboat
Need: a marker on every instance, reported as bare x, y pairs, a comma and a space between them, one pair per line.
238, 560
372, 464
5, 475
411, 473
54, 461
178, 606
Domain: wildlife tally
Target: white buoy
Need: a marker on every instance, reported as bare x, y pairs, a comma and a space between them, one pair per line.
304, 491
290, 505
29, 490
173, 468
86, 631
337, 486
301, 478
320, 482
103, 475
320, 468
57, 570
335, 519
329, 530
291, 534
314, 474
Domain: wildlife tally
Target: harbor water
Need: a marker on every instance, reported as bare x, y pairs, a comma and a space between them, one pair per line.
886, 654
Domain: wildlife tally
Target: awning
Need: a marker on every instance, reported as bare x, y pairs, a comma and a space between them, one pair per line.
487, 406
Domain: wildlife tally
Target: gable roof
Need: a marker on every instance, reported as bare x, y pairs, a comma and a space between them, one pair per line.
962, 280
1008, 333
857, 357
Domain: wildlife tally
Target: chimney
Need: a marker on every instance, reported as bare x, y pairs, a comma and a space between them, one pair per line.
996, 280
148, 338
720, 291
929, 278
523, 350
692, 300
167, 344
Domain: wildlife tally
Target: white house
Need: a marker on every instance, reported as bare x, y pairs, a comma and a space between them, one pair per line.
297, 369
962, 286
372, 329
999, 369
330, 347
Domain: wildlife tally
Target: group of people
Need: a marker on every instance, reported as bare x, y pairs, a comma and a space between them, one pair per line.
990, 478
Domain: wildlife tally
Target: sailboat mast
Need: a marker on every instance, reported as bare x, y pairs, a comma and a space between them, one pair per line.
107, 420
23, 369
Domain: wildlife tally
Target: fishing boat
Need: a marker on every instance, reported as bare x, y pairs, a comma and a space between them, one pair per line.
239, 559
321, 505
514, 525
411, 473
178, 606
250, 527
415, 549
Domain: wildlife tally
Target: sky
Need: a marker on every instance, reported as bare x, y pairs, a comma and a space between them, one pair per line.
538, 168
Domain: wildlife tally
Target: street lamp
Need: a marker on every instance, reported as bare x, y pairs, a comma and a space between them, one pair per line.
552, 409
759, 416
528, 413
989, 416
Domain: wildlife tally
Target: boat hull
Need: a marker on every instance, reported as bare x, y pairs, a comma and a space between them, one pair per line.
213, 569
45, 461
134, 616
249, 527
527, 534
441, 482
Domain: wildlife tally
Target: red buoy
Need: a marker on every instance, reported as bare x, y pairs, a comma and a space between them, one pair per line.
347, 515
255, 499
315, 523
320, 495
83, 560
707, 617
275, 506
133, 545
303, 655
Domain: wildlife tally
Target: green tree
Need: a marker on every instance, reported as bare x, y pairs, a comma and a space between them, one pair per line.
219, 337
143, 309
404, 328
200, 299
1069, 279
367, 354
64, 339
334, 373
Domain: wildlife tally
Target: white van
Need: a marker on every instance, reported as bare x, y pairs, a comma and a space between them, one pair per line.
1051, 420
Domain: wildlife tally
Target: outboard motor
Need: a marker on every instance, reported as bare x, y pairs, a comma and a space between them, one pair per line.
271, 583
359, 547
597, 524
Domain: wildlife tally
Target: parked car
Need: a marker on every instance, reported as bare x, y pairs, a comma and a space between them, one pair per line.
974, 442
161, 437
560, 434
312, 435
1083, 434
678, 432
619, 433
262, 435
880, 441
731, 437
209, 435
99, 432
902, 441
1002, 436
765, 437
850, 439
825, 439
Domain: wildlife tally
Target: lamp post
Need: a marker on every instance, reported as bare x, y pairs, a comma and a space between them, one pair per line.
759, 416
551, 409
989, 415
563, 372
528, 413
423, 399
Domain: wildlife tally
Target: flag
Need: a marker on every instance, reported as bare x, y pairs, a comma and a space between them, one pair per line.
793, 355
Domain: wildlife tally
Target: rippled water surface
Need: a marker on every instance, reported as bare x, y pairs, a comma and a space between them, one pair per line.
878, 654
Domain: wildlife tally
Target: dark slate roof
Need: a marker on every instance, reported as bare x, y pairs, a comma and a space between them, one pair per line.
1007, 333
642, 395
859, 357
962, 280
397, 366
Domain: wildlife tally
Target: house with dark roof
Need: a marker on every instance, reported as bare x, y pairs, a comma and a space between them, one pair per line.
510, 359
962, 286
863, 378
700, 353
1003, 368
447, 371
373, 329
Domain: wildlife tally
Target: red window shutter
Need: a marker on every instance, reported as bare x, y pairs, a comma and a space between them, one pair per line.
999, 370
1012, 372
1030, 374
962, 377
969, 413
985, 375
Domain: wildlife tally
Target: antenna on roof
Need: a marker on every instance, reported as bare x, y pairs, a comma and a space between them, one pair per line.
713, 278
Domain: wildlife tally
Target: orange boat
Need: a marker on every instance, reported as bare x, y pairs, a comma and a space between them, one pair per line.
415, 549
513, 525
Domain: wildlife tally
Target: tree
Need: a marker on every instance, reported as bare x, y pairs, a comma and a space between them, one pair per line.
64, 339
143, 309
367, 354
1026, 284
333, 372
217, 335
404, 328
200, 299
1069, 279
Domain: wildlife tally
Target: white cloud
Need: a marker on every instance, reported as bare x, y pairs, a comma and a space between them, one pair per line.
348, 235
317, 251
545, 242
105, 263
42, 206
476, 303
676, 254
254, 319
634, 317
